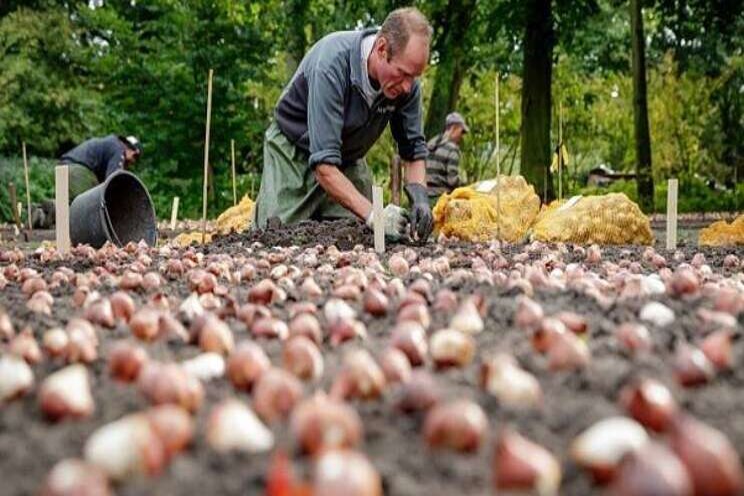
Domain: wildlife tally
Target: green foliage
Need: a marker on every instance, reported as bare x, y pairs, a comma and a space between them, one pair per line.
46, 98
693, 195
40, 178
69, 71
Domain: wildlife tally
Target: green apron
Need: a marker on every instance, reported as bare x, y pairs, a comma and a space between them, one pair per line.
289, 189
81, 180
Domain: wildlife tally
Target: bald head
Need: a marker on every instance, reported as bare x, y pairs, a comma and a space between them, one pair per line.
402, 24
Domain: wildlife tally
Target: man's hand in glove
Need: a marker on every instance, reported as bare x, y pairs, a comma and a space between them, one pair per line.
395, 222
422, 221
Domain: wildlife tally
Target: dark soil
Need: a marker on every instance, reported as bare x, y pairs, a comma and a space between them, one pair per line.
30, 446
344, 233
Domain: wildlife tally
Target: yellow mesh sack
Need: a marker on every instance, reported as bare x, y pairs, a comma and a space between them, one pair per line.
470, 213
722, 233
186, 238
611, 219
236, 218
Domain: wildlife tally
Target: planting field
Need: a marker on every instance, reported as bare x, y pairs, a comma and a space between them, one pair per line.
543, 342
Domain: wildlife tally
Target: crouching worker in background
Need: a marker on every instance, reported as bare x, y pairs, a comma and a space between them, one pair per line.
90, 163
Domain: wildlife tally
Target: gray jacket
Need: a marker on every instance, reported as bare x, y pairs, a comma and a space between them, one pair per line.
103, 156
323, 113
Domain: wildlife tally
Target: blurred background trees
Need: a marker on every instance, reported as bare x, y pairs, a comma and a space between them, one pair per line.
72, 70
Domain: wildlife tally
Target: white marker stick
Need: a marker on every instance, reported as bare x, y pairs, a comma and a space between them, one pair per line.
671, 241
62, 207
28, 190
378, 219
206, 157
174, 214
560, 150
498, 157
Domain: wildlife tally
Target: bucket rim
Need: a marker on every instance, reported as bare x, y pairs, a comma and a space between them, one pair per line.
106, 219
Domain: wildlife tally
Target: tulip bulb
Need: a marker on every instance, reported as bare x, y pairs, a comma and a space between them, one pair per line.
502, 377
232, 426
246, 364
651, 470
711, 460
650, 403
275, 394
125, 361
76, 477
451, 348
520, 464
602, 446
360, 377
345, 473
16, 377
458, 425
410, 338
66, 394
302, 358
320, 423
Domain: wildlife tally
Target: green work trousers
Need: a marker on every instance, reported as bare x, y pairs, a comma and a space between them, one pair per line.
81, 180
289, 189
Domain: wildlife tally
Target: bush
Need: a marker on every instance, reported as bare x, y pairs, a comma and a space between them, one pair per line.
41, 180
693, 195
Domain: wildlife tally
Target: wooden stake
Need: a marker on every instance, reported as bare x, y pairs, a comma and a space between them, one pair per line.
498, 157
378, 219
232, 153
174, 214
14, 204
395, 174
671, 241
206, 158
28, 190
62, 207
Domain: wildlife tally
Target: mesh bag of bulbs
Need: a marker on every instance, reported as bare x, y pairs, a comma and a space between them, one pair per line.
476, 213
237, 218
611, 219
722, 233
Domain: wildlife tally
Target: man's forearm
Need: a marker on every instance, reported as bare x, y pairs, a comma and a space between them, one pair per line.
343, 191
415, 171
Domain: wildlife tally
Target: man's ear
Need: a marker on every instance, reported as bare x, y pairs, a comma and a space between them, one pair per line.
382, 47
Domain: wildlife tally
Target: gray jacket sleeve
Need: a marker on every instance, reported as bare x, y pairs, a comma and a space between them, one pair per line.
115, 162
325, 115
406, 128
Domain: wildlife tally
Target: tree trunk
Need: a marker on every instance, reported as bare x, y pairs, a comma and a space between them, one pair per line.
296, 40
536, 99
644, 177
450, 70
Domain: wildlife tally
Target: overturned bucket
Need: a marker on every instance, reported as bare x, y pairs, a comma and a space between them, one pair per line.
119, 210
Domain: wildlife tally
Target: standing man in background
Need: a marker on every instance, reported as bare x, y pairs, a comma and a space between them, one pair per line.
443, 163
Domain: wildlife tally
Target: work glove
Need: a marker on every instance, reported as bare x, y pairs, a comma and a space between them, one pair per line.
395, 222
422, 222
